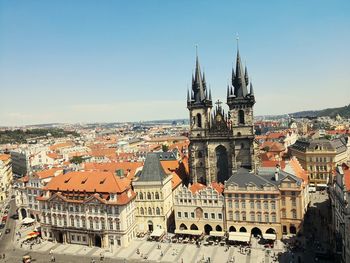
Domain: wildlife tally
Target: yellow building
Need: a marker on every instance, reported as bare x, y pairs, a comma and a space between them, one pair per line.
320, 157
5, 176
268, 204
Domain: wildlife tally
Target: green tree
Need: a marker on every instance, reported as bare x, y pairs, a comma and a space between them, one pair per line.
76, 159
165, 147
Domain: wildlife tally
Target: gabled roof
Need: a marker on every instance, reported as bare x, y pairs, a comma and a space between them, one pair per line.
152, 170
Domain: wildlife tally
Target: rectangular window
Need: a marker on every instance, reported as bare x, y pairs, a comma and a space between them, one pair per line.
212, 215
283, 201
251, 205
186, 215
252, 217
266, 217
78, 238
294, 201
273, 218
258, 196
244, 217
236, 204
91, 224
220, 216
206, 215
259, 217
179, 214
192, 214
72, 237
83, 222
110, 225
243, 204
273, 205
230, 215
251, 196
237, 216
266, 205
258, 204
230, 204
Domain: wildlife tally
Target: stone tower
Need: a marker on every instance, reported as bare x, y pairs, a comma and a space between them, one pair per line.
240, 103
220, 143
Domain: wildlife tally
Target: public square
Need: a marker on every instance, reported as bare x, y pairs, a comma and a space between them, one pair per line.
142, 250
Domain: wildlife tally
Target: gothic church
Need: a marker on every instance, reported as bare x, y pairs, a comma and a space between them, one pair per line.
221, 143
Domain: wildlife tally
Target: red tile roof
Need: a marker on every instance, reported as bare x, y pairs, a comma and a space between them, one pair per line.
194, 188
269, 163
100, 182
5, 157
299, 171
48, 173
129, 168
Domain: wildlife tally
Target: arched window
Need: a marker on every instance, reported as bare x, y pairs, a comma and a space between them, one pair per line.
142, 211
141, 196
149, 196
199, 120
240, 117
149, 211
157, 195
157, 211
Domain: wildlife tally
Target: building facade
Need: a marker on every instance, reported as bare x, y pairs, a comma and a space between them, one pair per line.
220, 143
339, 193
270, 202
199, 207
89, 208
320, 157
5, 176
154, 201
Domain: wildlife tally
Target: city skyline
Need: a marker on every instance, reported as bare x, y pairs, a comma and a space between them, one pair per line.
115, 62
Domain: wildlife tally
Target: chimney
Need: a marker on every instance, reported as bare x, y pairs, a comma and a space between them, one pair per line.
276, 175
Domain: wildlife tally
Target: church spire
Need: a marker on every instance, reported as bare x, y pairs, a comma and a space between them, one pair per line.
239, 81
251, 93
199, 86
246, 78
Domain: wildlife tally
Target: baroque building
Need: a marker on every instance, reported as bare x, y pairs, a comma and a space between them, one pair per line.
221, 143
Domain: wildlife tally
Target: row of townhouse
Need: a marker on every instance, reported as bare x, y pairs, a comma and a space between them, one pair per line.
270, 202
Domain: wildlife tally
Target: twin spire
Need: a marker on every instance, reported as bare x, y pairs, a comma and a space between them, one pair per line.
238, 89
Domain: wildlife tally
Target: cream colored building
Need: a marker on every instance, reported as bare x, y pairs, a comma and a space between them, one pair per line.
199, 207
5, 176
154, 201
270, 202
88, 208
320, 157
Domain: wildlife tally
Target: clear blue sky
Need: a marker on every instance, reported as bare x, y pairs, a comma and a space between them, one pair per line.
84, 61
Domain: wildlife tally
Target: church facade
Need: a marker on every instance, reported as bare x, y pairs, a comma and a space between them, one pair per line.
221, 143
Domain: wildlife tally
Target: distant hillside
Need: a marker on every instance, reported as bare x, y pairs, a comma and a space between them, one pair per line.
331, 112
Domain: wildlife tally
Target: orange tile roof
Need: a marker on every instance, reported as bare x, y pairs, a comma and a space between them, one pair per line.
299, 171
5, 157
171, 165
269, 163
194, 188
48, 173
273, 146
54, 156
175, 181
275, 135
129, 168
61, 145
219, 187
106, 152
101, 182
